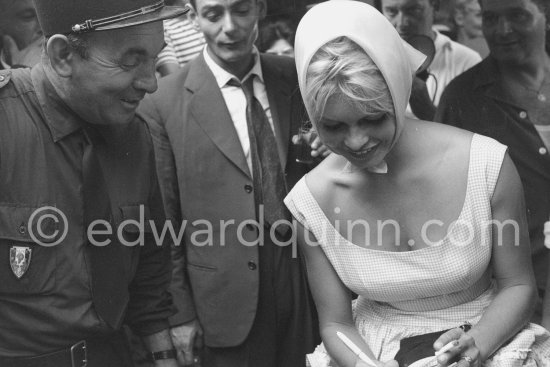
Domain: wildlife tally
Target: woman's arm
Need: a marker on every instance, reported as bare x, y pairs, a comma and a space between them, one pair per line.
512, 269
333, 301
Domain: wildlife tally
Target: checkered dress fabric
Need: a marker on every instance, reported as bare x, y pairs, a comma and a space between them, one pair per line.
439, 287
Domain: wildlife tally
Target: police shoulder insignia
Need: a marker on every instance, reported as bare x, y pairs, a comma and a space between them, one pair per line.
5, 76
20, 259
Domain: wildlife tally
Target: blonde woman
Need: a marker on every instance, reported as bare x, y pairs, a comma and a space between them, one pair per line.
425, 222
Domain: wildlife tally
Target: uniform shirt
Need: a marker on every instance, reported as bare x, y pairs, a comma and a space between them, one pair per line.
41, 150
477, 102
235, 99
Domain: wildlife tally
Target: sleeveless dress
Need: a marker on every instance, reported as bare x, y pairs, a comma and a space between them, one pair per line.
402, 294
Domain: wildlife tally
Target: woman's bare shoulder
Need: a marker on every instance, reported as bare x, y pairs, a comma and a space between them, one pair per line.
444, 132
439, 139
322, 179
435, 151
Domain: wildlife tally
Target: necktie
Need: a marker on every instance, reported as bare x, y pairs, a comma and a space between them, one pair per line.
109, 290
268, 179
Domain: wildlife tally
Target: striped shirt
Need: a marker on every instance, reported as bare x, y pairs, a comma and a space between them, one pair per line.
183, 42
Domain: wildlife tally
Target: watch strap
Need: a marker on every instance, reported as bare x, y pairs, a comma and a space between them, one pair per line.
163, 354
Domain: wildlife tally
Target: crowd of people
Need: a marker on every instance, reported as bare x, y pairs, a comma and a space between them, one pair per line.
156, 208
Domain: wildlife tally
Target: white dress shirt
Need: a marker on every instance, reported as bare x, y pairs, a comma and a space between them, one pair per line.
451, 59
235, 99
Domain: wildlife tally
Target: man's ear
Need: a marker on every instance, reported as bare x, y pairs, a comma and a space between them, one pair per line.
192, 16
262, 9
60, 54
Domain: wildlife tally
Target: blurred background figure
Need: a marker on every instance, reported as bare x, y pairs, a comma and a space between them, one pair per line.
276, 36
507, 97
416, 17
467, 20
443, 22
21, 36
183, 40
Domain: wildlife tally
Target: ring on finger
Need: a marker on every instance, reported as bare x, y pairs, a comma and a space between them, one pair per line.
467, 359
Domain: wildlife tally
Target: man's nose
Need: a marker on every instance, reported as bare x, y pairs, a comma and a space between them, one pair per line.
146, 79
228, 23
503, 25
399, 21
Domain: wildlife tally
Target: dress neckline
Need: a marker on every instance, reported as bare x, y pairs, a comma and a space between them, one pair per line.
437, 244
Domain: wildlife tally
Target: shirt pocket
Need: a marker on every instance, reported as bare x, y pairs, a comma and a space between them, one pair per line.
28, 254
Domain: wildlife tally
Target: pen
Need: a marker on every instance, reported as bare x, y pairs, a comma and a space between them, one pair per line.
355, 349
447, 347
444, 349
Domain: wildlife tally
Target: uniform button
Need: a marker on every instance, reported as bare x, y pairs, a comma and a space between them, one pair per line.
22, 229
523, 114
248, 188
543, 151
252, 265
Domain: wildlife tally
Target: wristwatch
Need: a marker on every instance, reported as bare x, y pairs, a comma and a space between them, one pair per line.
163, 354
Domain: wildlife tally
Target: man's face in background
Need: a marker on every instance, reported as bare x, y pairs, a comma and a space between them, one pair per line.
515, 30
19, 21
230, 28
410, 17
469, 19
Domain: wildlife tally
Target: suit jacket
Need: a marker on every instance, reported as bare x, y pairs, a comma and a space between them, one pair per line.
206, 187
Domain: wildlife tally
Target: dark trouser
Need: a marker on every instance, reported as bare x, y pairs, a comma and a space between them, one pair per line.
285, 328
110, 351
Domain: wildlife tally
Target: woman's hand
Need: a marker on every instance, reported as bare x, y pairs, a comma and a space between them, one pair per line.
465, 350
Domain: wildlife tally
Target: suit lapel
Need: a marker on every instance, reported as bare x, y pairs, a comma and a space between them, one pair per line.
279, 96
210, 112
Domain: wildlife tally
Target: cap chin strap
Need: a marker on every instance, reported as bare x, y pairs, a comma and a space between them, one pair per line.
91, 24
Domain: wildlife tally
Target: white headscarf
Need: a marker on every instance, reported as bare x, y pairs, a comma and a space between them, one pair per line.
366, 26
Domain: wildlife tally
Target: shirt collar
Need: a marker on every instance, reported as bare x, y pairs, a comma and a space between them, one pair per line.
3, 60
60, 119
489, 73
222, 76
490, 80
441, 41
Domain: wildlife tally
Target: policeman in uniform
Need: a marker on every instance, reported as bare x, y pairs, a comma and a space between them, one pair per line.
79, 196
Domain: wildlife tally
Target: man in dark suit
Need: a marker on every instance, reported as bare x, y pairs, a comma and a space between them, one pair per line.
248, 303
